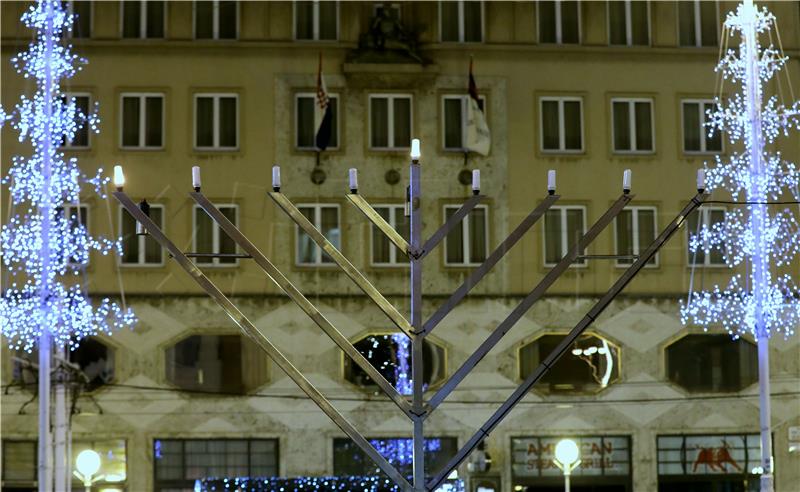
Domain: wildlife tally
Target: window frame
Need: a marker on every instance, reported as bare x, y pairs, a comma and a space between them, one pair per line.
698, 26
629, 25
561, 125
393, 251
142, 97
216, 96
215, 236
559, 28
141, 259
631, 102
461, 26
700, 102
142, 21
564, 239
390, 96
464, 101
214, 22
313, 95
71, 10
705, 218
467, 263
68, 142
635, 235
317, 224
315, 24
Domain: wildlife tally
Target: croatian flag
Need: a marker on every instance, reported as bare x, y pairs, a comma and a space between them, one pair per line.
478, 137
323, 114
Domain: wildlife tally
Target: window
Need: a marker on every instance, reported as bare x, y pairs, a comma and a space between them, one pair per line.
467, 245
143, 19
19, 463
635, 231
561, 124
326, 219
95, 358
209, 238
712, 363
632, 127
703, 252
142, 121
384, 252
140, 249
390, 121
83, 102
563, 227
390, 354
179, 462
305, 131
216, 125
698, 137
82, 23
78, 217
316, 21
697, 22
629, 22
461, 21
350, 460
216, 19
559, 22
454, 110
590, 365
725, 460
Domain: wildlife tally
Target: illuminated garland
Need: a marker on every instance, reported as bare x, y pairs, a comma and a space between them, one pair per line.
762, 302
297, 484
41, 246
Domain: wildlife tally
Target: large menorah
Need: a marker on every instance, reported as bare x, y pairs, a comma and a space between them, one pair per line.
417, 410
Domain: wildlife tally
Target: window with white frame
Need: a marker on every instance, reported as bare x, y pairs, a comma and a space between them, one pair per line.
454, 121
390, 121
140, 249
306, 126
326, 219
563, 227
216, 121
80, 140
632, 125
561, 123
316, 20
216, 19
697, 22
697, 136
466, 245
635, 229
559, 21
461, 21
384, 252
705, 254
629, 22
82, 22
209, 238
142, 121
143, 19
78, 216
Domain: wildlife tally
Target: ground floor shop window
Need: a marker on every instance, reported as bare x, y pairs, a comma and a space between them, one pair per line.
605, 464
708, 463
348, 459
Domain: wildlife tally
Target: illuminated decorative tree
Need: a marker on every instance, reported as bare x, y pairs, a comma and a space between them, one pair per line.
763, 243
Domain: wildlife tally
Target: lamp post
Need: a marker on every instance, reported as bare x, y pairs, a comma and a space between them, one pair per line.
87, 464
567, 459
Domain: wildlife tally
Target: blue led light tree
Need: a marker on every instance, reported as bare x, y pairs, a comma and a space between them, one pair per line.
763, 243
43, 302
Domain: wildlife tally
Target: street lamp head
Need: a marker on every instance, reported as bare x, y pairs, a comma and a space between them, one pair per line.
567, 452
415, 152
88, 462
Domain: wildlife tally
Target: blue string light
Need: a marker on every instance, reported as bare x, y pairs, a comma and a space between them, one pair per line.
297, 484
42, 246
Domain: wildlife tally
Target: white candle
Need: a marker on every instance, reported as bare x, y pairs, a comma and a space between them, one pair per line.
551, 180
353, 178
701, 179
476, 180
276, 177
626, 180
415, 154
119, 177
196, 177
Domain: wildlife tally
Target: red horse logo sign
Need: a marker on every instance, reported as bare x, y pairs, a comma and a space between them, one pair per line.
715, 458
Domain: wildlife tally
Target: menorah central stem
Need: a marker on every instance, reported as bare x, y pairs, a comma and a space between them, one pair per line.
416, 324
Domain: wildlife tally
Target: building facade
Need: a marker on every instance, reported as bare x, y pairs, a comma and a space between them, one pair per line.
586, 88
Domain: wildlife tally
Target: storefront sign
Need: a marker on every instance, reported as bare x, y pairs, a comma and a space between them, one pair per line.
599, 455
708, 454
